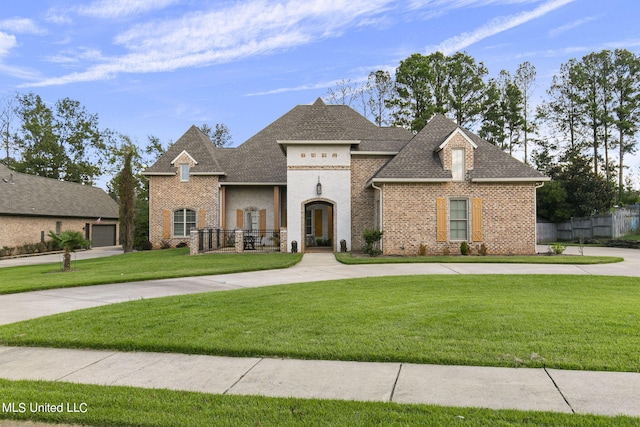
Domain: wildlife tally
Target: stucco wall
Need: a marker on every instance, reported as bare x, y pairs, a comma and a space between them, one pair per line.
508, 217
242, 197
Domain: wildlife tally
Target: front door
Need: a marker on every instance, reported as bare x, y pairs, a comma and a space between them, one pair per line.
318, 223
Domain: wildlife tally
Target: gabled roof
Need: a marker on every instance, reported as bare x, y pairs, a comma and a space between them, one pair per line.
260, 159
419, 159
37, 196
198, 146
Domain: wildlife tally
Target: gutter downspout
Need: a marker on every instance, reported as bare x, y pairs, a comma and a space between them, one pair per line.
535, 199
380, 213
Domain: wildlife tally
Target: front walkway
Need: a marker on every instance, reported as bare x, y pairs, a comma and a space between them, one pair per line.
605, 393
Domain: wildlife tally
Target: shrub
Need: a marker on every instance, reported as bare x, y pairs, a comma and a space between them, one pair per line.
145, 246
165, 244
558, 248
464, 248
371, 238
446, 251
482, 251
422, 251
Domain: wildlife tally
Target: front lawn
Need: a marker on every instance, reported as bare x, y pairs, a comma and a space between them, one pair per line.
566, 322
348, 258
136, 266
128, 406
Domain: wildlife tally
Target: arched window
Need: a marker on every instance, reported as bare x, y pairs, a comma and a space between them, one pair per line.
183, 221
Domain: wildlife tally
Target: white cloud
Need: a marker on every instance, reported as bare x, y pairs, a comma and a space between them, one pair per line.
7, 42
239, 31
496, 26
117, 8
564, 28
20, 26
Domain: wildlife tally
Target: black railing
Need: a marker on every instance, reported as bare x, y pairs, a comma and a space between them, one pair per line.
219, 240
261, 240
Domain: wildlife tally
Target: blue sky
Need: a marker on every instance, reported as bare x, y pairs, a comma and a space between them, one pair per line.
155, 67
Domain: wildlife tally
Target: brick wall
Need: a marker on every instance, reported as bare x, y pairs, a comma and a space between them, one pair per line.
200, 193
21, 230
508, 217
363, 207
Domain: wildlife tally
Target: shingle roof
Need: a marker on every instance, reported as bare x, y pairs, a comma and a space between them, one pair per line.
419, 159
260, 159
37, 196
198, 145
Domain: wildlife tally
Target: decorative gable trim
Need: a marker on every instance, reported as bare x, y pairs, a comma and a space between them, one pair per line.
458, 131
184, 152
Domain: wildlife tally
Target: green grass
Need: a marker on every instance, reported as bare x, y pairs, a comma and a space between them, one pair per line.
567, 322
630, 237
348, 258
136, 266
127, 406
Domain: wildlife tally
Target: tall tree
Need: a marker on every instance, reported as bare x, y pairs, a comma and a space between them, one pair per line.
126, 196
380, 92
525, 80
513, 106
62, 143
466, 88
344, 93
562, 110
413, 103
502, 119
219, 134
493, 122
7, 116
626, 105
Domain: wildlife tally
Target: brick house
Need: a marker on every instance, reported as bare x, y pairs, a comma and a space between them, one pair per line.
326, 173
31, 206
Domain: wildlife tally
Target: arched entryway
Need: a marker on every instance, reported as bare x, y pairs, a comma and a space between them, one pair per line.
318, 225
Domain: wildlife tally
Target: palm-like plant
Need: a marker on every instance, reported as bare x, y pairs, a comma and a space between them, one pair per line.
69, 240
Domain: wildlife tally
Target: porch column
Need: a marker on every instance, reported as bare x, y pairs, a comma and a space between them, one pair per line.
223, 207
276, 207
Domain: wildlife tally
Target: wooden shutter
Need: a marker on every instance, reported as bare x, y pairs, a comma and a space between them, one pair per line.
166, 224
263, 222
441, 220
476, 220
239, 217
201, 218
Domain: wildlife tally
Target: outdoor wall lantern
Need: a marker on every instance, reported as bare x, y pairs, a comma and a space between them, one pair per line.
319, 188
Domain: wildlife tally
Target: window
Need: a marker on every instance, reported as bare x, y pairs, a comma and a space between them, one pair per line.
183, 221
308, 222
184, 172
457, 164
251, 219
458, 219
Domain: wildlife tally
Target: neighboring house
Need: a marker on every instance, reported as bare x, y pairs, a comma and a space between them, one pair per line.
326, 173
31, 206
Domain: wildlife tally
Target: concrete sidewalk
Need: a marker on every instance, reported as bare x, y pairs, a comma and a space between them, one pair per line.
603, 393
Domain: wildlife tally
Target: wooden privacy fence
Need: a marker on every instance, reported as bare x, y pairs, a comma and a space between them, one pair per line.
619, 223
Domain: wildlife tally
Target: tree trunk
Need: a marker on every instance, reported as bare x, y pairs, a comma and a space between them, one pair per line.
66, 265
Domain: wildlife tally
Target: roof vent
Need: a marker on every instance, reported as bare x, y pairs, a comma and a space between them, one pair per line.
8, 181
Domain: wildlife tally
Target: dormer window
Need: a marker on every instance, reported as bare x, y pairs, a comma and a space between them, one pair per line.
184, 172
457, 164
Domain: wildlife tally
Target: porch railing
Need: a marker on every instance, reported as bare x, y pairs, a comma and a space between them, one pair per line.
235, 241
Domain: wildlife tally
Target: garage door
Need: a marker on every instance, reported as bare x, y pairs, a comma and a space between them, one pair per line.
103, 235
